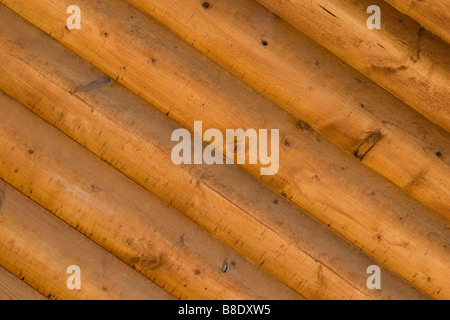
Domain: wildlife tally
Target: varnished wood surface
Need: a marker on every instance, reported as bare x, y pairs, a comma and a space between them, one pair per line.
363, 178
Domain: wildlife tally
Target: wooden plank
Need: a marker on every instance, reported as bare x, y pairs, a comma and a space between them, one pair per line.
120, 216
402, 57
320, 89
12, 288
38, 248
434, 15
123, 130
354, 201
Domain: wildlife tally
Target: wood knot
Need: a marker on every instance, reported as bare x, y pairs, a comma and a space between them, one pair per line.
151, 263
367, 145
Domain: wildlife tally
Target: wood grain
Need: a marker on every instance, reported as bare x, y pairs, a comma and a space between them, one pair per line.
319, 88
120, 216
357, 203
38, 248
12, 288
123, 131
433, 15
402, 57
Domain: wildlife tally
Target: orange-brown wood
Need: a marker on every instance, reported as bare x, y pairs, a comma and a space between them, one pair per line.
120, 216
357, 203
38, 247
12, 288
320, 89
433, 15
123, 131
402, 56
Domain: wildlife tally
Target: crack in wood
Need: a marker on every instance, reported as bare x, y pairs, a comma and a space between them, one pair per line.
419, 41
2, 197
329, 12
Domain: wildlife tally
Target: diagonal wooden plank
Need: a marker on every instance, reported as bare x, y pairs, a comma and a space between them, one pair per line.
402, 57
123, 130
38, 247
355, 202
433, 15
117, 214
320, 89
12, 288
